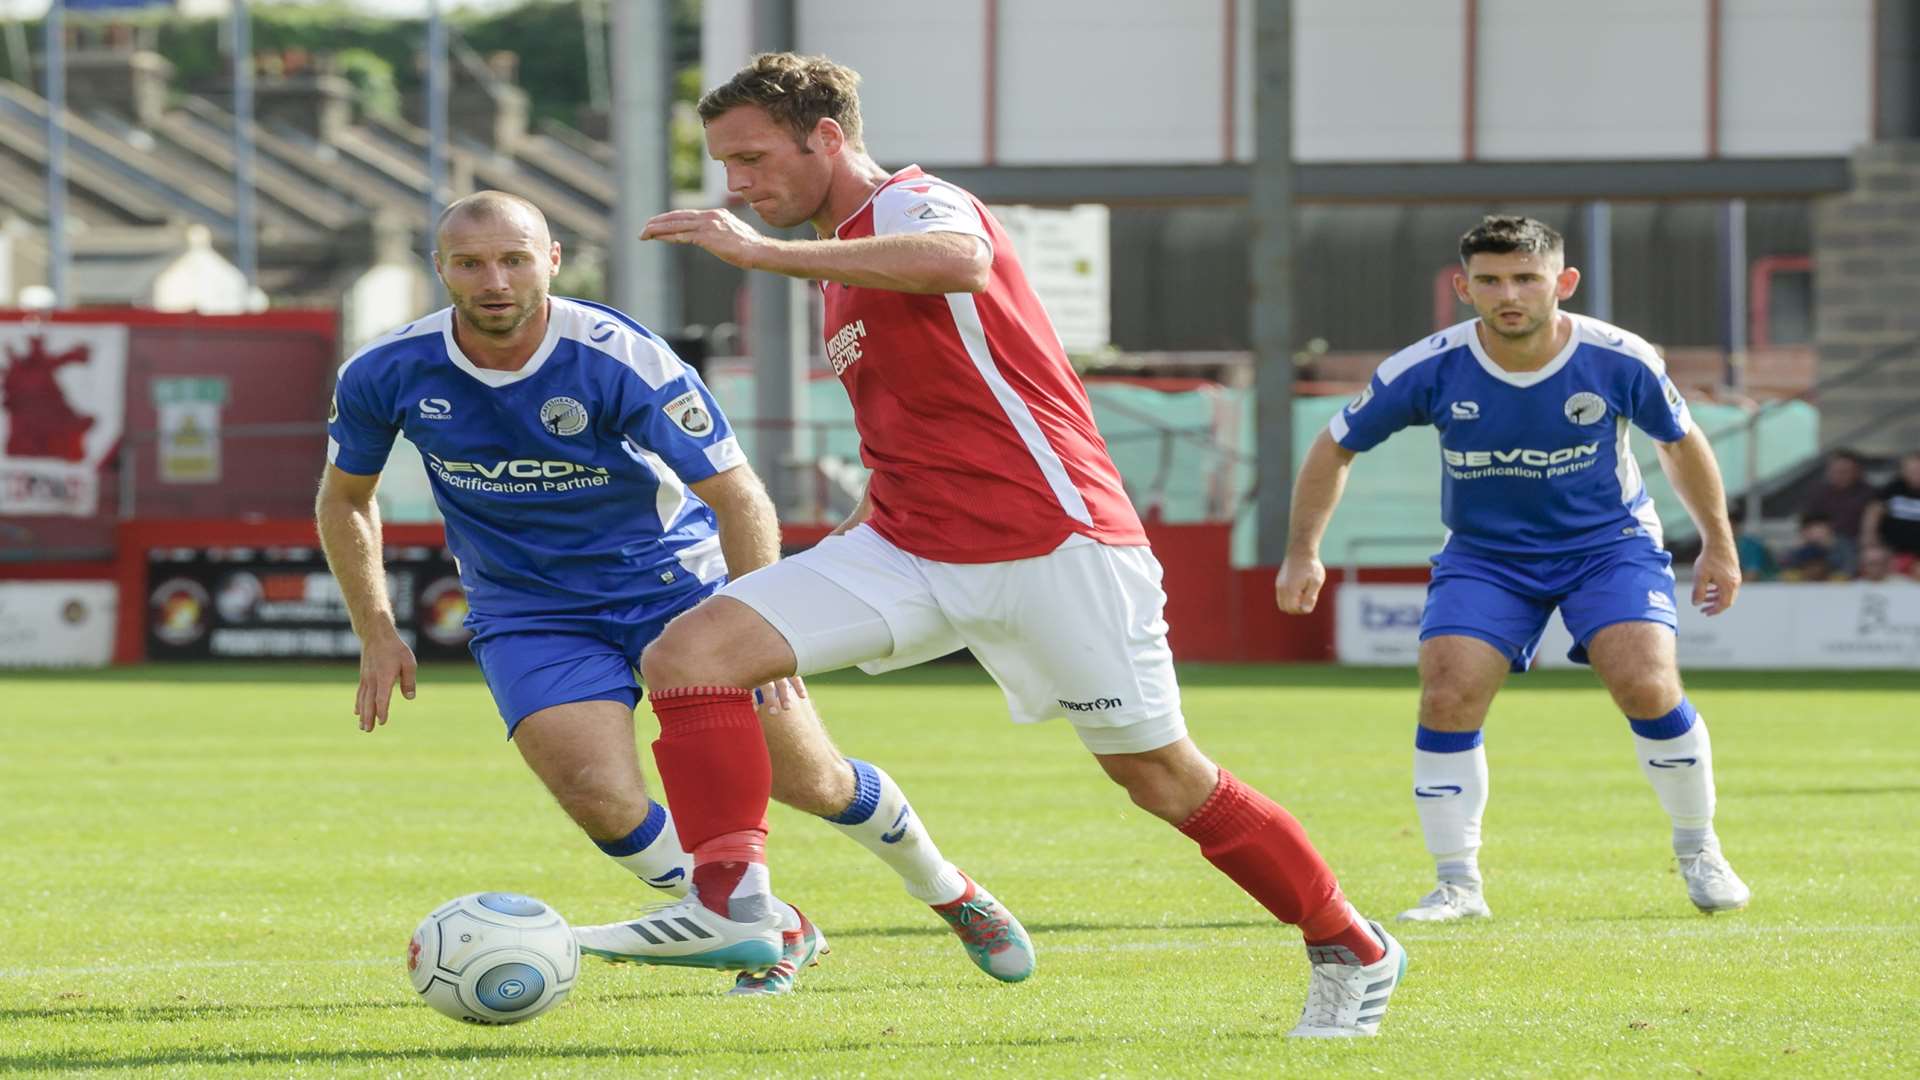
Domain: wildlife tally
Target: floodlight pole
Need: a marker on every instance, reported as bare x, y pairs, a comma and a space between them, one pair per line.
436, 119
641, 36
56, 92
778, 329
245, 236
1272, 250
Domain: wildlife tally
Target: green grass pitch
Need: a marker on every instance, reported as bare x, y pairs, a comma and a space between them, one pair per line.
211, 871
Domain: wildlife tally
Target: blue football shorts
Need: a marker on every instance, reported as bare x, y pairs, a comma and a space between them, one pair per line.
533, 664
1506, 600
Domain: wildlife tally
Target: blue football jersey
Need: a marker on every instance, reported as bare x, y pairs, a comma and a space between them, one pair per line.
563, 484
1531, 463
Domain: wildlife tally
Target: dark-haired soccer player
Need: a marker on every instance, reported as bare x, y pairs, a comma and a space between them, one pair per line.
1546, 509
994, 520
592, 491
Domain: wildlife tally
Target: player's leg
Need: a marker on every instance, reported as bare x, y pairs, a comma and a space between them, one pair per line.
1089, 642
584, 753
855, 599
567, 699
1481, 620
1459, 676
856, 797
1636, 660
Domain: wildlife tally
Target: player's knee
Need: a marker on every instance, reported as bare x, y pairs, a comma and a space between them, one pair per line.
1645, 697
678, 657
1170, 789
1446, 707
601, 811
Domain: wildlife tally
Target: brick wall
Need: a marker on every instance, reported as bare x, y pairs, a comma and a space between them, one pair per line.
1866, 249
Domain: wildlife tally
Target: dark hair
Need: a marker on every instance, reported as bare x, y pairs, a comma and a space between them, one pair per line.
1499, 234
798, 91
1815, 517
1848, 454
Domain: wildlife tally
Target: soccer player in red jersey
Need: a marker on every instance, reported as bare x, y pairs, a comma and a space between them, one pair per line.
994, 520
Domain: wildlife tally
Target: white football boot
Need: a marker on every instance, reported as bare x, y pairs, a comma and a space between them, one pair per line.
1347, 1001
1711, 883
686, 934
1447, 902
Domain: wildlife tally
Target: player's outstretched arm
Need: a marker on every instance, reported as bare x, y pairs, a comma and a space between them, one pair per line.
348, 521
1690, 465
932, 262
749, 530
1316, 491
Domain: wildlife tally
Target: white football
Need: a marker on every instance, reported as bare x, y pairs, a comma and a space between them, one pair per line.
493, 958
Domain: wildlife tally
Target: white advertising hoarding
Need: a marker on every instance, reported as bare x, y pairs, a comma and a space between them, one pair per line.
1774, 625
62, 405
57, 623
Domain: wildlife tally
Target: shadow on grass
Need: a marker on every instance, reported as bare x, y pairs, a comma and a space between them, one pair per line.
944, 1042
855, 933
962, 671
1830, 792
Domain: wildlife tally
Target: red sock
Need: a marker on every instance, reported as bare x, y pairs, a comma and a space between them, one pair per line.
1266, 852
713, 762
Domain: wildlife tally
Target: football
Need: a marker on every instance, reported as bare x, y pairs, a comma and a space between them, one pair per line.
493, 958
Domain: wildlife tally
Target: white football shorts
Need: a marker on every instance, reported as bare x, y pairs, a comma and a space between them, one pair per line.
1077, 632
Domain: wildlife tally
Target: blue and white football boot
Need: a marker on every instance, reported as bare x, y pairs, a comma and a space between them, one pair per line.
687, 934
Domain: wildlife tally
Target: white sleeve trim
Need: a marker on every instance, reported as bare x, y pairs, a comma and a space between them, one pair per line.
901, 211
1337, 427
725, 454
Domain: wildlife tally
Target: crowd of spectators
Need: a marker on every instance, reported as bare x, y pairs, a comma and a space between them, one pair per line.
1849, 529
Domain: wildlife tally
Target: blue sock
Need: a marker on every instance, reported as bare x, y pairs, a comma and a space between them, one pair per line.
651, 852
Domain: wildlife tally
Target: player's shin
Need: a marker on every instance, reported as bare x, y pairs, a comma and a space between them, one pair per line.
652, 853
1450, 795
1677, 758
713, 763
1252, 840
879, 819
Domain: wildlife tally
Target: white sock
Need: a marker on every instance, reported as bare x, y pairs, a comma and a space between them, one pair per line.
1450, 795
1680, 768
651, 852
880, 820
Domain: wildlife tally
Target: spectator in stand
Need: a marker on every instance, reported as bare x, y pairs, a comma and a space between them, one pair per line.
1756, 559
1820, 555
1842, 495
1893, 518
1876, 564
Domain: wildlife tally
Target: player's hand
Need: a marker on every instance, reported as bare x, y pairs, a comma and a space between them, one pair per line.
1716, 580
383, 661
779, 695
720, 233
1296, 589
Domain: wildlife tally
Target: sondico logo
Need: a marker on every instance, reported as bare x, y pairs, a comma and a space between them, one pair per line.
1519, 461
518, 476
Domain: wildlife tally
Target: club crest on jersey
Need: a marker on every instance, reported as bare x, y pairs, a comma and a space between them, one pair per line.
563, 416
333, 407
689, 413
1586, 408
1360, 400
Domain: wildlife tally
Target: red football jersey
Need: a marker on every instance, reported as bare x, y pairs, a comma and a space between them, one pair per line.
979, 435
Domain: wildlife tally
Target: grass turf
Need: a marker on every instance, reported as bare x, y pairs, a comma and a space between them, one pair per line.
209, 870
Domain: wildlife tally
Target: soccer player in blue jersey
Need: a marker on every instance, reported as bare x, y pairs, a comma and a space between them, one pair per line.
592, 490
1545, 509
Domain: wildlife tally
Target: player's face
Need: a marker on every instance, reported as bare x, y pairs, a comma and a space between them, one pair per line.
783, 180
496, 270
1910, 470
1516, 293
